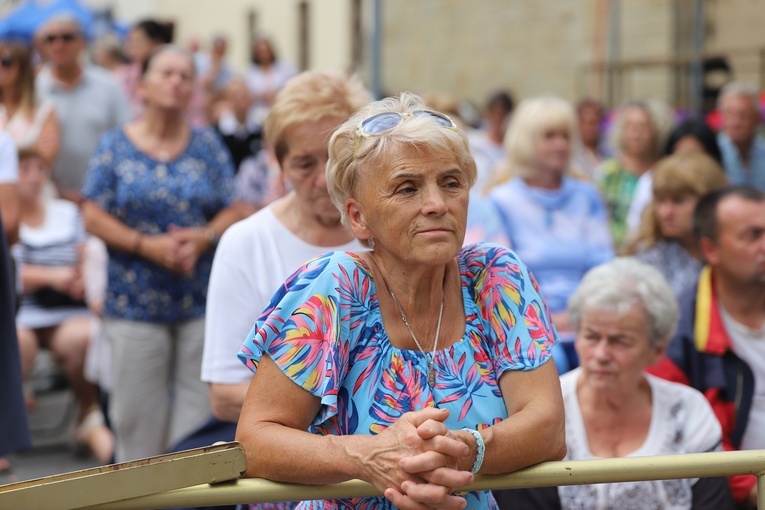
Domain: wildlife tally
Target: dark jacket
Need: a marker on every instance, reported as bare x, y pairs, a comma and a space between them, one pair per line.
701, 356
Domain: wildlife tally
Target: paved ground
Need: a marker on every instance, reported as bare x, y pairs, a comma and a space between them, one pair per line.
53, 452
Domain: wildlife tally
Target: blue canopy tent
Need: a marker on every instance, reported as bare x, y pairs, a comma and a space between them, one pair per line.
23, 21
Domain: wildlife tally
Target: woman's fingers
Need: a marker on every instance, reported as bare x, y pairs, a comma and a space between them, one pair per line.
422, 416
448, 477
403, 501
432, 428
430, 460
432, 495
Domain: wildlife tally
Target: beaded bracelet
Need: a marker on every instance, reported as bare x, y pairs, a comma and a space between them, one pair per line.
481, 449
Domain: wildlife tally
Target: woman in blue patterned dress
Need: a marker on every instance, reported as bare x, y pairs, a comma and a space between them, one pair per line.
159, 194
414, 365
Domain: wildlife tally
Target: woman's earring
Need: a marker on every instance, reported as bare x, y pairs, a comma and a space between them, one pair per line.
371, 242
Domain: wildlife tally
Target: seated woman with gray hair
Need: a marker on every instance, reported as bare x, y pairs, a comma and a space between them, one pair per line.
412, 366
625, 314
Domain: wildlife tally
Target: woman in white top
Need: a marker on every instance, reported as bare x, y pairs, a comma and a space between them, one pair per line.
52, 313
31, 124
625, 314
266, 76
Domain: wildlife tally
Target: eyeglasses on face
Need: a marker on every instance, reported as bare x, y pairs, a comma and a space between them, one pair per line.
7, 61
384, 122
65, 37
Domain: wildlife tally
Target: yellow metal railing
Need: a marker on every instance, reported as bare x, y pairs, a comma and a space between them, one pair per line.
696, 465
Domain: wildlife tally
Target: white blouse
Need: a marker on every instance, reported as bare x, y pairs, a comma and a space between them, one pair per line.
682, 421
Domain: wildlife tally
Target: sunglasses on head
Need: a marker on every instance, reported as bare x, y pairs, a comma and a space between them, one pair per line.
68, 37
384, 122
7, 61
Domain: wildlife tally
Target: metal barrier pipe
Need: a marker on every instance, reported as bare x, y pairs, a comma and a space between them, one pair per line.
577, 472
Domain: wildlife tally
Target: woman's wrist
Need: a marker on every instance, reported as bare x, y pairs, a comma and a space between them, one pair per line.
477, 444
137, 243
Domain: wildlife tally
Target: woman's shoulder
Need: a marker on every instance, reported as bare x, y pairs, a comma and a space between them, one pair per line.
478, 260
330, 269
62, 208
113, 135
206, 142
484, 252
670, 393
514, 185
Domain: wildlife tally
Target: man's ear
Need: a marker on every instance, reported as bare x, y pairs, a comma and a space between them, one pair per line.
708, 251
356, 219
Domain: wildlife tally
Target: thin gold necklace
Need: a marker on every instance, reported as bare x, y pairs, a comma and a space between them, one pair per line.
430, 357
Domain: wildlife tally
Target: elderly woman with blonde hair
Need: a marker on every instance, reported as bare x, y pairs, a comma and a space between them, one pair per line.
412, 366
556, 223
625, 315
665, 239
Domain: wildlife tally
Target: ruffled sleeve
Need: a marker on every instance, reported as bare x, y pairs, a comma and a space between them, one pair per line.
311, 325
517, 325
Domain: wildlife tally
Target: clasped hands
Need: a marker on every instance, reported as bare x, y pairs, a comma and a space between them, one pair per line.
178, 250
417, 464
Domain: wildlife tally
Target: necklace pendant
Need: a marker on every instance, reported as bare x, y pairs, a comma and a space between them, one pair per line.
431, 377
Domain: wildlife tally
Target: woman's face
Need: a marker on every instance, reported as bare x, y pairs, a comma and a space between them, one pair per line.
615, 349
553, 151
638, 134
304, 165
688, 145
9, 66
168, 81
138, 46
262, 51
414, 206
674, 214
33, 175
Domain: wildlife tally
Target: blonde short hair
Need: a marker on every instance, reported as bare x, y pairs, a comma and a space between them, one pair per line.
689, 173
349, 152
309, 97
651, 111
530, 121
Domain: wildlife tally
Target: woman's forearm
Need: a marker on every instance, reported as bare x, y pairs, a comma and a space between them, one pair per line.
109, 229
9, 211
37, 277
227, 217
50, 138
535, 429
285, 454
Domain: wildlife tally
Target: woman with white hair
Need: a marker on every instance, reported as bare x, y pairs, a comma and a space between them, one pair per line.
413, 365
625, 314
556, 223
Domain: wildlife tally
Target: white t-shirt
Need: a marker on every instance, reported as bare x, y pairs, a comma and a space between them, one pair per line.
682, 421
255, 256
9, 161
749, 345
640, 200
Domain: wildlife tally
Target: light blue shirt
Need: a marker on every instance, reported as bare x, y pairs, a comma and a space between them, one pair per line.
738, 173
560, 234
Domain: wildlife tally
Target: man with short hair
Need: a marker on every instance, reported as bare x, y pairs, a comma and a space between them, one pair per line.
719, 348
88, 101
743, 149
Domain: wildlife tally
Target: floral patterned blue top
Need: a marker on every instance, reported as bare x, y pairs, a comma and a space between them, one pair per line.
150, 196
324, 330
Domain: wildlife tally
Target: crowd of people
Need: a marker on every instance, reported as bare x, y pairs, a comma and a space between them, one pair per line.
387, 290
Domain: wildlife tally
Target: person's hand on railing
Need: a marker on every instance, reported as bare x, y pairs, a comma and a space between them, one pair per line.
433, 458
417, 467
